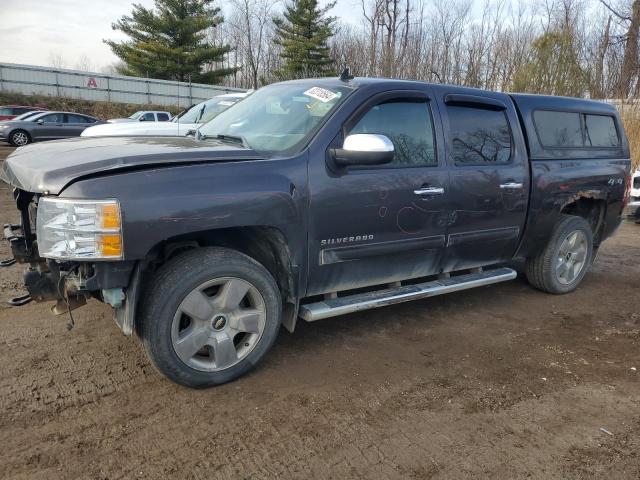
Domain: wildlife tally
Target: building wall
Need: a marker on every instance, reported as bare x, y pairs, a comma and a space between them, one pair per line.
33, 80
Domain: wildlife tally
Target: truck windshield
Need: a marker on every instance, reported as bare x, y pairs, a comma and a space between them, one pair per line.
277, 118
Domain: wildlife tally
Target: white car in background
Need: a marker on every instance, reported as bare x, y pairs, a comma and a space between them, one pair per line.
181, 125
144, 116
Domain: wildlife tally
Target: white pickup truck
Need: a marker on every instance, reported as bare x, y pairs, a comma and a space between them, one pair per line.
182, 124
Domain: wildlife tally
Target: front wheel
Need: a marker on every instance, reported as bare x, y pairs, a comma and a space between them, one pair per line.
210, 316
19, 138
564, 262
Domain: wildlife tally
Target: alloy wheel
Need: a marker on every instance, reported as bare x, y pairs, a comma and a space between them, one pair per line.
572, 257
20, 138
218, 324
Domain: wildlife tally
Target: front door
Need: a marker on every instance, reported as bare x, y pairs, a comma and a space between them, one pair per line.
489, 179
48, 127
376, 225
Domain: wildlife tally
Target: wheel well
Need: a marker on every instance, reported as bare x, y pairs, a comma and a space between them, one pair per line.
266, 245
592, 210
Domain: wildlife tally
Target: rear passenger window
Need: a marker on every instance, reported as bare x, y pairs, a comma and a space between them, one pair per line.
558, 129
479, 136
163, 117
75, 119
601, 131
407, 123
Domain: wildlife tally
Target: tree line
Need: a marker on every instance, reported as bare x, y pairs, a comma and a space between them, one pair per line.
561, 47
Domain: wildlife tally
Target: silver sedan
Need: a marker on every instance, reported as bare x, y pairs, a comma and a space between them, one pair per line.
45, 126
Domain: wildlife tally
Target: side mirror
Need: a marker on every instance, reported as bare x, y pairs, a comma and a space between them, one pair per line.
363, 149
40, 122
141, 119
192, 133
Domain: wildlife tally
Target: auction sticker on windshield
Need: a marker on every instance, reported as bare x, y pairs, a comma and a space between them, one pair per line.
321, 94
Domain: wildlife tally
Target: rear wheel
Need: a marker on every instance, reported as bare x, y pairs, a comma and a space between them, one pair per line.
19, 138
564, 262
210, 316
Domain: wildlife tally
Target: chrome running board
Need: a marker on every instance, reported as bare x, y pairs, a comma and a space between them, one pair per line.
332, 307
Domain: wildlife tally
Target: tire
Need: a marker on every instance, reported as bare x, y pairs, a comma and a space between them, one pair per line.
561, 266
196, 300
19, 138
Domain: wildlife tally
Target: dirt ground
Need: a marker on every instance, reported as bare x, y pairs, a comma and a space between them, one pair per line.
498, 382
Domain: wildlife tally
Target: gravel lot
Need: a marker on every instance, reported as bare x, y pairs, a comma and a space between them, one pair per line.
497, 382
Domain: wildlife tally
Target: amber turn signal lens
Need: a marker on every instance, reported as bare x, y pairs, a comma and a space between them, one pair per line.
110, 216
110, 245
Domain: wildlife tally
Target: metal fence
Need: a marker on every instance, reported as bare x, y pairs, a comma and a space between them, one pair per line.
33, 80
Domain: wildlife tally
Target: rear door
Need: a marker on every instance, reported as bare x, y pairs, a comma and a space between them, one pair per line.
489, 179
75, 125
371, 225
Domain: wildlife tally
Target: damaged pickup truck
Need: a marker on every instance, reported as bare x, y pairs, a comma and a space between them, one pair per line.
311, 199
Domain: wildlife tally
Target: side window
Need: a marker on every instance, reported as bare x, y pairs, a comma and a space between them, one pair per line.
52, 118
558, 129
75, 119
407, 123
601, 131
163, 117
479, 136
148, 117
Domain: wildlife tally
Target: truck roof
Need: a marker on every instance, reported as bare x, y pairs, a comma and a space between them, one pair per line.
524, 101
528, 101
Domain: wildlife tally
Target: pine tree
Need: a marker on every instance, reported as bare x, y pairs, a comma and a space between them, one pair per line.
303, 32
170, 41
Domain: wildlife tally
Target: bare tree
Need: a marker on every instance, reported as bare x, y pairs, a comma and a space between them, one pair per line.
84, 63
628, 82
579, 47
252, 25
56, 60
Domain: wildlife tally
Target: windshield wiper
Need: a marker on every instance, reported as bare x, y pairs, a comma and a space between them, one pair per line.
201, 114
223, 137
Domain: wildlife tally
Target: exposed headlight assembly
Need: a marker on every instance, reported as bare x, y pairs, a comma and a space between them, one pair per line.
70, 229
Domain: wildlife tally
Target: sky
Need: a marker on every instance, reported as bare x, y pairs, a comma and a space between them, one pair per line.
36, 31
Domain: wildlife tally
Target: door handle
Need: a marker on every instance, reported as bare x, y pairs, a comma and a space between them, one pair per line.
511, 186
429, 191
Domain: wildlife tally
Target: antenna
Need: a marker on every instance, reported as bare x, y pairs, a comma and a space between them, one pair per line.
345, 76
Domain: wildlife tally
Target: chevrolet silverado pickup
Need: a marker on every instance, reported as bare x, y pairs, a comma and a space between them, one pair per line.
311, 199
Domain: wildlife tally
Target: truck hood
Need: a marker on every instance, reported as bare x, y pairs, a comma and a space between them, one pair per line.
51, 166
